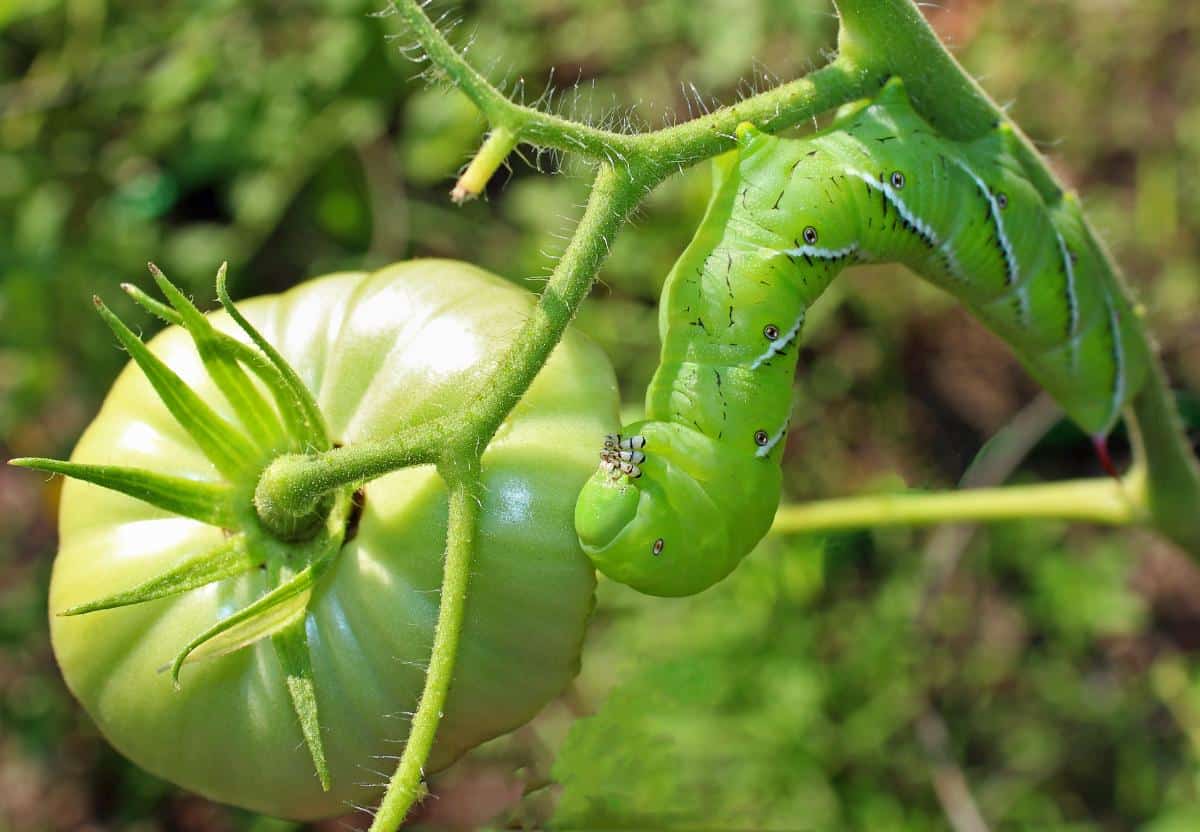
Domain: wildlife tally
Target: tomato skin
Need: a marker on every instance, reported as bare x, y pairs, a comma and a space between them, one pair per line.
380, 351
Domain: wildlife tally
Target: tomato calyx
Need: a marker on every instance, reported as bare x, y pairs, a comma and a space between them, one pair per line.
276, 416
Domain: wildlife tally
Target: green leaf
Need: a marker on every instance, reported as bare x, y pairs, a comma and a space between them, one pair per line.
226, 446
264, 617
316, 433
227, 560
291, 646
250, 405
208, 502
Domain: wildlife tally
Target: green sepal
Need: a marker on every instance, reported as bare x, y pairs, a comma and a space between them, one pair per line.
227, 560
156, 308
242, 352
255, 412
291, 646
263, 617
224, 445
315, 434
208, 502
250, 357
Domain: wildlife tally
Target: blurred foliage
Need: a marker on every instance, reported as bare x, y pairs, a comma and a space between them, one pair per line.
828, 684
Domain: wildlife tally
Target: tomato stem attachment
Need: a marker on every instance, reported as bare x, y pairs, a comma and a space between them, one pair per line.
292, 492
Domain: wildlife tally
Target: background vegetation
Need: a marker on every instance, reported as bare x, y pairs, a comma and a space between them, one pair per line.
1036, 676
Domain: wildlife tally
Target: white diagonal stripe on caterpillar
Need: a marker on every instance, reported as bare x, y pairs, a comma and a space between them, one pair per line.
1118, 397
1072, 299
765, 450
1012, 269
777, 347
821, 253
923, 228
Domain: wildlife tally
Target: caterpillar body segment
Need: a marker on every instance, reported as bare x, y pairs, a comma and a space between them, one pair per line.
785, 218
675, 512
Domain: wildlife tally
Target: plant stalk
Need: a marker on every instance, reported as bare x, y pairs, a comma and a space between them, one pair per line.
1104, 501
407, 783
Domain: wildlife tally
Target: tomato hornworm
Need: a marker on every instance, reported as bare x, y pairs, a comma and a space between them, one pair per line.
681, 497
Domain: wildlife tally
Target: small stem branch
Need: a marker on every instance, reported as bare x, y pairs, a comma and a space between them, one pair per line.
406, 785
500, 111
683, 144
1104, 501
500, 142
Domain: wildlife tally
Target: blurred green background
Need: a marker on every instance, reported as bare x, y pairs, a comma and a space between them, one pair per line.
1035, 676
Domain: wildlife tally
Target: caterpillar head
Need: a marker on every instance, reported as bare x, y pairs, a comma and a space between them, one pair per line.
682, 516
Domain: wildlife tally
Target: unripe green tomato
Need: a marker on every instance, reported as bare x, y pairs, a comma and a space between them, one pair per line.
380, 352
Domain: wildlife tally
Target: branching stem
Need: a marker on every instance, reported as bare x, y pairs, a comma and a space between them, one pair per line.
702, 138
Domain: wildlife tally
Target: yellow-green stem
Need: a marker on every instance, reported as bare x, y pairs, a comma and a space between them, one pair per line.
500, 142
1105, 501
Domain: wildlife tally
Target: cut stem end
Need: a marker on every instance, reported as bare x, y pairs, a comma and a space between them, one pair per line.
495, 149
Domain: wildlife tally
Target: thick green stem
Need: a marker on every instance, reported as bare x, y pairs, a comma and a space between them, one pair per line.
406, 786
1105, 501
890, 37
1172, 479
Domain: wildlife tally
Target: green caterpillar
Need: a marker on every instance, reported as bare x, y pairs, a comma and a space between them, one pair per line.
681, 497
